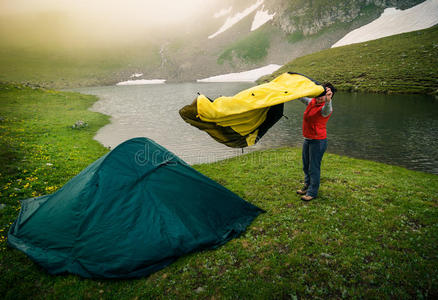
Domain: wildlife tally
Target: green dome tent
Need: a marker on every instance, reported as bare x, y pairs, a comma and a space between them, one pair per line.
129, 214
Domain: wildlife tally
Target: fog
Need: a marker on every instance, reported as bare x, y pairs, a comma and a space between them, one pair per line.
121, 12
99, 20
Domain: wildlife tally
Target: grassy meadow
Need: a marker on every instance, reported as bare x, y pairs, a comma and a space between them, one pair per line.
404, 63
67, 68
53, 51
372, 233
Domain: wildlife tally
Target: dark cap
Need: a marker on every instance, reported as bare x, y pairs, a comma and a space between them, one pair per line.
329, 85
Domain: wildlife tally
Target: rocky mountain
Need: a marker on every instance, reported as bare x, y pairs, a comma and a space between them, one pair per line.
294, 28
62, 49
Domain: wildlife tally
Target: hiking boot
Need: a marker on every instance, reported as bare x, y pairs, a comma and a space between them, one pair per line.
303, 190
307, 198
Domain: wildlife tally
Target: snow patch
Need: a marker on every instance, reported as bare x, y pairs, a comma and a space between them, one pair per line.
247, 76
261, 18
136, 75
231, 21
223, 12
142, 81
394, 21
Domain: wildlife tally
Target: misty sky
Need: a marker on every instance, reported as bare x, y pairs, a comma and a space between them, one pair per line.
116, 12
99, 21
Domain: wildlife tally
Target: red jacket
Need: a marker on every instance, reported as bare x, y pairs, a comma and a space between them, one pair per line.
314, 124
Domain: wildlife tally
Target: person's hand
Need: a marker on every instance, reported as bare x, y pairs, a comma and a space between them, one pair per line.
328, 95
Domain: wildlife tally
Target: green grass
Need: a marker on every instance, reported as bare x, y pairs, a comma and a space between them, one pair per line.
250, 49
405, 63
372, 233
295, 37
63, 68
39, 149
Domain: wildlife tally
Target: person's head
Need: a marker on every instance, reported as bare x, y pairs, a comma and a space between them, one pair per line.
330, 86
329, 92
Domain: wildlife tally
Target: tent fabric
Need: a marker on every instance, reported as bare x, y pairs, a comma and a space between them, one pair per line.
128, 214
237, 121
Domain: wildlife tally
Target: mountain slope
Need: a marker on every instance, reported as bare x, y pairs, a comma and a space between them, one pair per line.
49, 51
297, 28
404, 63
394, 21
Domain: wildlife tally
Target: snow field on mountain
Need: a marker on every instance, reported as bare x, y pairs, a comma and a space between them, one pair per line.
247, 76
394, 21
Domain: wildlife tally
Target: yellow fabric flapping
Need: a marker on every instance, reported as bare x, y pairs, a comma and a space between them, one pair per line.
252, 138
246, 111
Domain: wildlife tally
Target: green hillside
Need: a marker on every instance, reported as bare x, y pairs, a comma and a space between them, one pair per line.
252, 48
48, 50
404, 63
73, 68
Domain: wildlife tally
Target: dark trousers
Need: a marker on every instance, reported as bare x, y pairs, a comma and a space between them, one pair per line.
313, 150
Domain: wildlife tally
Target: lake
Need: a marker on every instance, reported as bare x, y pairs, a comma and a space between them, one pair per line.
394, 129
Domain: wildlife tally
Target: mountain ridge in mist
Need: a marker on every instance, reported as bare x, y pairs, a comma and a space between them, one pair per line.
106, 54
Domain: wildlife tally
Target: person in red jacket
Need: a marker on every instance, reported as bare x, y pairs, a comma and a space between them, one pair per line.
316, 115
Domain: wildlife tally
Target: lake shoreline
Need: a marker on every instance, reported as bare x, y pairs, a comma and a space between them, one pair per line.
135, 112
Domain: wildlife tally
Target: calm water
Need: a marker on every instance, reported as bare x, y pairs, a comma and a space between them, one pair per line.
400, 130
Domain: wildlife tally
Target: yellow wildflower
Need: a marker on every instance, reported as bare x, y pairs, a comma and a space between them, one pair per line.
51, 189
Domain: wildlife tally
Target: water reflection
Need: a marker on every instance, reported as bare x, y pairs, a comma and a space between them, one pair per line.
395, 129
